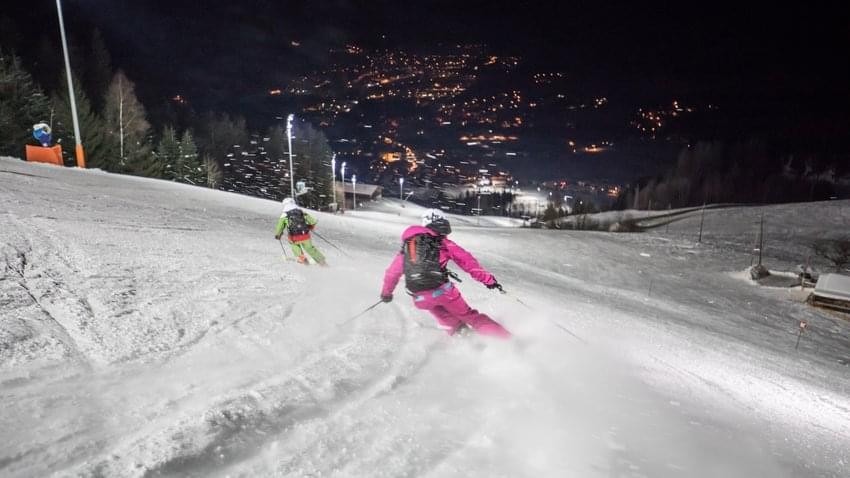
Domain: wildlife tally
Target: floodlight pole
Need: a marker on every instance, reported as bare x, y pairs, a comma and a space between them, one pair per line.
478, 219
291, 171
81, 157
333, 178
354, 190
761, 236
342, 173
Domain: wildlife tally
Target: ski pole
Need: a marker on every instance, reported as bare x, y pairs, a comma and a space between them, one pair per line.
285, 257
504, 292
453, 276
331, 243
367, 309
556, 324
568, 331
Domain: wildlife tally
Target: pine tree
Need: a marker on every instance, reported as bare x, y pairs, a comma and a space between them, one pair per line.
276, 145
98, 150
167, 157
98, 71
48, 65
312, 162
142, 160
550, 213
126, 123
213, 172
189, 165
22, 104
216, 135
278, 156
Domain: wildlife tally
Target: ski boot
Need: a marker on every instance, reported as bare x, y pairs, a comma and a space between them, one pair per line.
461, 331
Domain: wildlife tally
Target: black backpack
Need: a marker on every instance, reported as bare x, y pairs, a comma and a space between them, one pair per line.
422, 269
297, 222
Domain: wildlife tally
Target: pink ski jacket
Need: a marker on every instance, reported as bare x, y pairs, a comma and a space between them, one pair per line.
450, 250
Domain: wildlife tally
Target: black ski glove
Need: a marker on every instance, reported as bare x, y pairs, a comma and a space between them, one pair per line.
495, 285
386, 297
277, 236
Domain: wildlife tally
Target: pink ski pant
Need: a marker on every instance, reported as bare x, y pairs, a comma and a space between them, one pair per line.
447, 305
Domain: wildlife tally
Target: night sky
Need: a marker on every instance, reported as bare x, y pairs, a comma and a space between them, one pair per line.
773, 68
794, 56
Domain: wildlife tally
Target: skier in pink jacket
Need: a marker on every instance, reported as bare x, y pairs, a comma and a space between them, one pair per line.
422, 260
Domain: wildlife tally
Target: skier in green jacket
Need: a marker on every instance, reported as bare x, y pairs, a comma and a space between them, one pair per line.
298, 225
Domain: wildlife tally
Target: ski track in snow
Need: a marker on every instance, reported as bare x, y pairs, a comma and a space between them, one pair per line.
153, 329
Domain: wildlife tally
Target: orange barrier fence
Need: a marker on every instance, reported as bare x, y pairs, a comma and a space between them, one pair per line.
38, 154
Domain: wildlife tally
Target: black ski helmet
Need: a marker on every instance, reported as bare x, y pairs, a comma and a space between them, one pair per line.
435, 220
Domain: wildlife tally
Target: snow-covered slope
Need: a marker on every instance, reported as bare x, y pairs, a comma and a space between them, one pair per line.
406, 212
151, 328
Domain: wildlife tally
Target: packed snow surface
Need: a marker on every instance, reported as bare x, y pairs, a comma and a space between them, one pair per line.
154, 329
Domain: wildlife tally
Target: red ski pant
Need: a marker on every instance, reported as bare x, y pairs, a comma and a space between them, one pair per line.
447, 306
